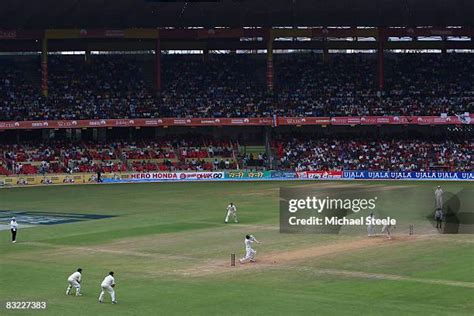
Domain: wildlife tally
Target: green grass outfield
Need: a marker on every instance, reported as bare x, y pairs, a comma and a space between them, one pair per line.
170, 250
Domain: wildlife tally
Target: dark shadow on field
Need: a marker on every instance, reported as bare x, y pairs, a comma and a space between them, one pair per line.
457, 213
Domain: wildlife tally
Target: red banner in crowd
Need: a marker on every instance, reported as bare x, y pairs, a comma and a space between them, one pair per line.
304, 120
136, 123
264, 121
378, 120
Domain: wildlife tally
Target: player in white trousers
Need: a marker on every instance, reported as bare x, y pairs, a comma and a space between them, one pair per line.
231, 211
249, 251
386, 229
108, 285
370, 226
439, 198
74, 281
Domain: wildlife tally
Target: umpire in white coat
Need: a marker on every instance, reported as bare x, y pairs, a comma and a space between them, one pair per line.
13, 229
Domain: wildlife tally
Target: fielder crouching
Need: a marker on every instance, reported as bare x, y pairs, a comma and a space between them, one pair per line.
74, 281
250, 253
231, 211
108, 285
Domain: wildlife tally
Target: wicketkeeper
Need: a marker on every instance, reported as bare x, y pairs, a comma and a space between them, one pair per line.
74, 281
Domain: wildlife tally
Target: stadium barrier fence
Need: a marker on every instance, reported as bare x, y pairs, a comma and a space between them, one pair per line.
238, 175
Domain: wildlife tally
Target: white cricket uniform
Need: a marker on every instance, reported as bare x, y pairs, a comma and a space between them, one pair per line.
106, 286
439, 198
231, 210
386, 229
249, 251
371, 227
74, 282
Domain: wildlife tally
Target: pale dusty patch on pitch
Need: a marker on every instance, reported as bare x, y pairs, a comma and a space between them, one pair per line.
93, 250
135, 247
282, 258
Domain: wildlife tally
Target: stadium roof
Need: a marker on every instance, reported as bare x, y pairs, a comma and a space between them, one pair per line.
34, 14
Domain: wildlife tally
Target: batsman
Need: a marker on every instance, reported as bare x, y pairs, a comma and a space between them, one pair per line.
250, 253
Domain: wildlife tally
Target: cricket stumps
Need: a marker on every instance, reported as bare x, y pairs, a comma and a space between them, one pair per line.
232, 259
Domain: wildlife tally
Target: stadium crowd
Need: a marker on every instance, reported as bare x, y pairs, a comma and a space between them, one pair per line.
297, 154
121, 86
395, 155
67, 157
